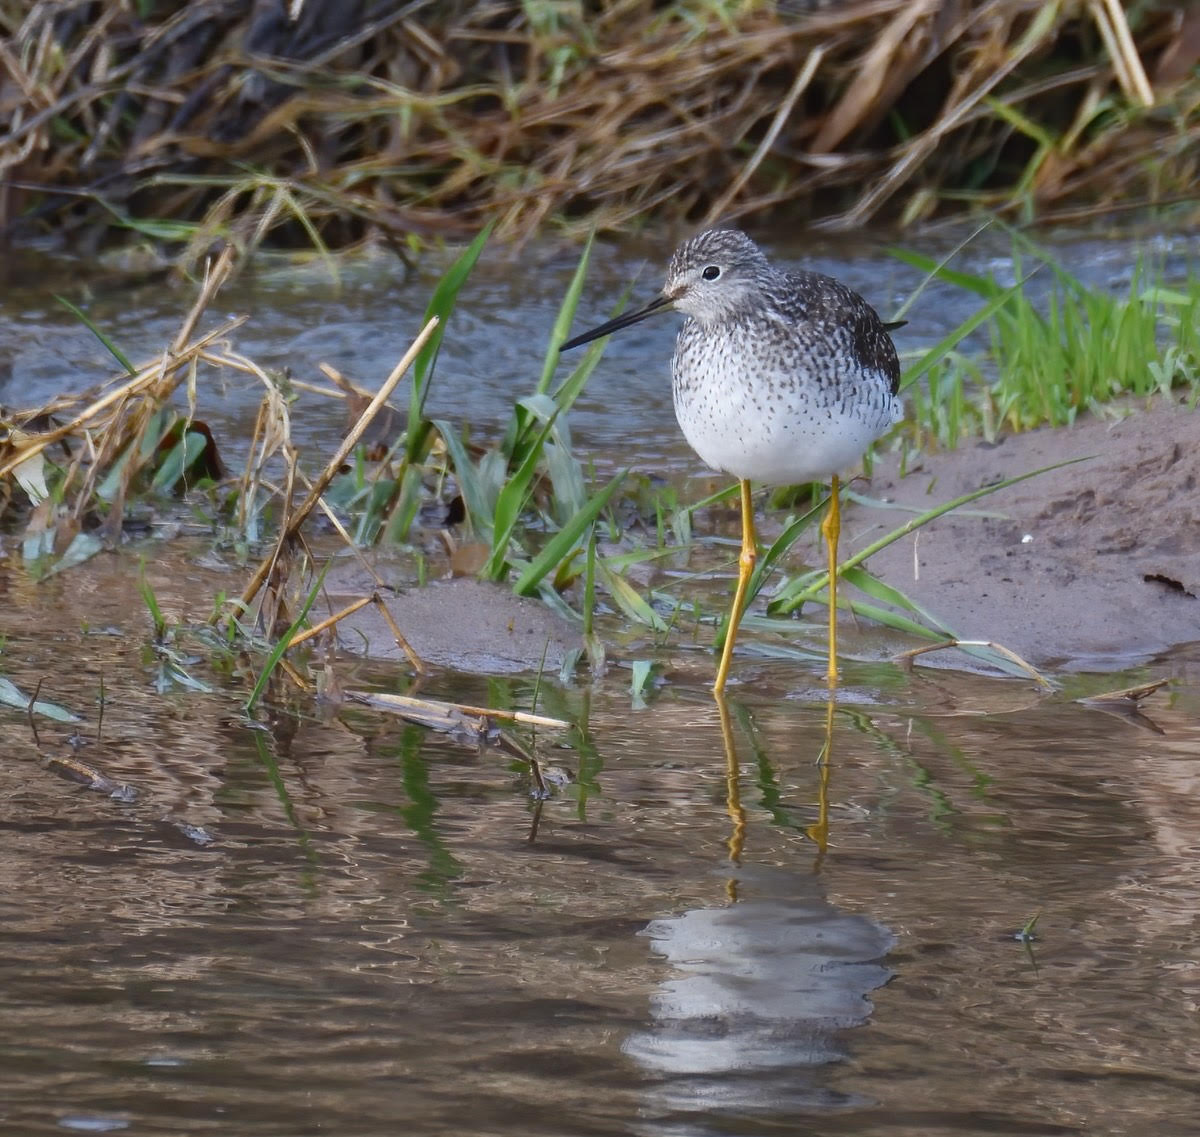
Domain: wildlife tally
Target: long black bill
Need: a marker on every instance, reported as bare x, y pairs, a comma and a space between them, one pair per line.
617, 324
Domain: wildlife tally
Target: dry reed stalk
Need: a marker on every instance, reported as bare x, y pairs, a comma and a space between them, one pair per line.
435, 119
906, 658
401, 640
151, 381
347, 540
329, 622
451, 714
114, 421
297, 518
1128, 64
803, 78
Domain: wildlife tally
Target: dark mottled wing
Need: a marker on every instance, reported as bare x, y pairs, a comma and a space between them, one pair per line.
821, 301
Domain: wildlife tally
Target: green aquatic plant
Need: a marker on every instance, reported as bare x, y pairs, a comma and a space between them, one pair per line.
171, 665
1047, 360
383, 502
529, 482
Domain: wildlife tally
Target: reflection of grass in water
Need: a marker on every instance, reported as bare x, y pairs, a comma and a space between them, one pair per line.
942, 810
421, 813
303, 838
767, 781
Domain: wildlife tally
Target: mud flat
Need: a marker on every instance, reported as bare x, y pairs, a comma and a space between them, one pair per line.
1093, 565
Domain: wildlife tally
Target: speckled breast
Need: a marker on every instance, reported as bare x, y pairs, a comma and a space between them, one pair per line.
777, 408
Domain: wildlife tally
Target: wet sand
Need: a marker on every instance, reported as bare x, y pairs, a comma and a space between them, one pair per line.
1092, 566
467, 625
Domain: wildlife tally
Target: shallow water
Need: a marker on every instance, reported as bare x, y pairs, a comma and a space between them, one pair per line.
493, 350
330, 920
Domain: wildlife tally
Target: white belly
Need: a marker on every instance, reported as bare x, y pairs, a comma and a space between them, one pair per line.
782, 439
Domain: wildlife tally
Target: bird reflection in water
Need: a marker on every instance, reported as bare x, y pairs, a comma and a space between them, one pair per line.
763, 988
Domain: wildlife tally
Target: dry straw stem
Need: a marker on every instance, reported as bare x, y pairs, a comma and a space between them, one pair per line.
103, 425
152, 383
426, 118
329, 622
1114, 28
298, 516
398, 635
1127, 694
272, 435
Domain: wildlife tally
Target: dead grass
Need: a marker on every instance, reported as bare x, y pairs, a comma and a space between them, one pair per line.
357, 120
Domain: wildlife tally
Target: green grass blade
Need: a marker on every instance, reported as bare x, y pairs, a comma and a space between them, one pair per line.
931, 628
151, 601
566, 476
628, 599
471, 485
441, 304
565, 317
933, 271
285, 641
565, 539
767, 562
509, 504
948, 342
109, 346
796, 597
405, 506
886, 618
181, 457
875, 588
982, 286
779, 549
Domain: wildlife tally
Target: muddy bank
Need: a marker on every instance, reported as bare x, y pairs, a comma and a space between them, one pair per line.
1090, 566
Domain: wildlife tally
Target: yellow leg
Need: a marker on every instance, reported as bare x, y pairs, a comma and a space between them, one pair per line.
832, 528
733, 795
745, 567
818, 831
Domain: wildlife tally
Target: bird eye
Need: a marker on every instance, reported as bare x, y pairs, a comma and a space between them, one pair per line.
712, 272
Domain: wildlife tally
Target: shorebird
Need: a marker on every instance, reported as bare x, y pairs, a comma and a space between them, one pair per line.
778, 377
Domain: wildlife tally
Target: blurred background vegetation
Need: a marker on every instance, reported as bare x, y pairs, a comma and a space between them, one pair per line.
333, 122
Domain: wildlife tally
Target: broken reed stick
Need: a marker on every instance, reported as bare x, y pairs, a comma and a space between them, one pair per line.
215, 275
397, 635
328, 622
402, 703
351, 440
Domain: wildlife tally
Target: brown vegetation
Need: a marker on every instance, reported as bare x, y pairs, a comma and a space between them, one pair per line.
212, 119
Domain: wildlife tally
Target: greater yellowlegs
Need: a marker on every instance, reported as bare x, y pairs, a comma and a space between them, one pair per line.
779, 377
